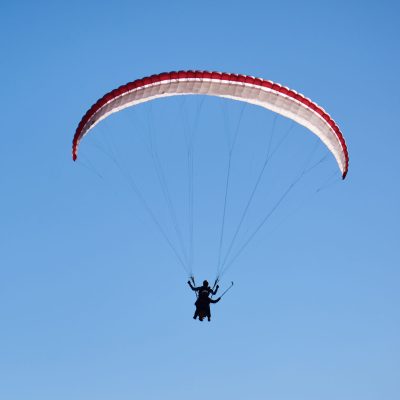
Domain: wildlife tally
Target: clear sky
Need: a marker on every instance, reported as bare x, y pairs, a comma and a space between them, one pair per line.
93, 303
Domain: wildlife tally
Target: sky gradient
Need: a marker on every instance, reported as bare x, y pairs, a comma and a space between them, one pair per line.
93, 304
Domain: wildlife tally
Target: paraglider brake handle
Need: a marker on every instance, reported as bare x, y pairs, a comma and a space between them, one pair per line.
229, 288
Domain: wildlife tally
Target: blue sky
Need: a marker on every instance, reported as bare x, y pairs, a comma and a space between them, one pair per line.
93, 304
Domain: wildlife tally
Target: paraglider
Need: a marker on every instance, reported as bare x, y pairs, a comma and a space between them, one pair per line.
247, 89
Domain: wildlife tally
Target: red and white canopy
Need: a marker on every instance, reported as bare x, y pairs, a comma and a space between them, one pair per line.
267, 94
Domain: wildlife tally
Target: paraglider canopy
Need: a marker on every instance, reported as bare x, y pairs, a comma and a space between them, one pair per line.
264, 93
